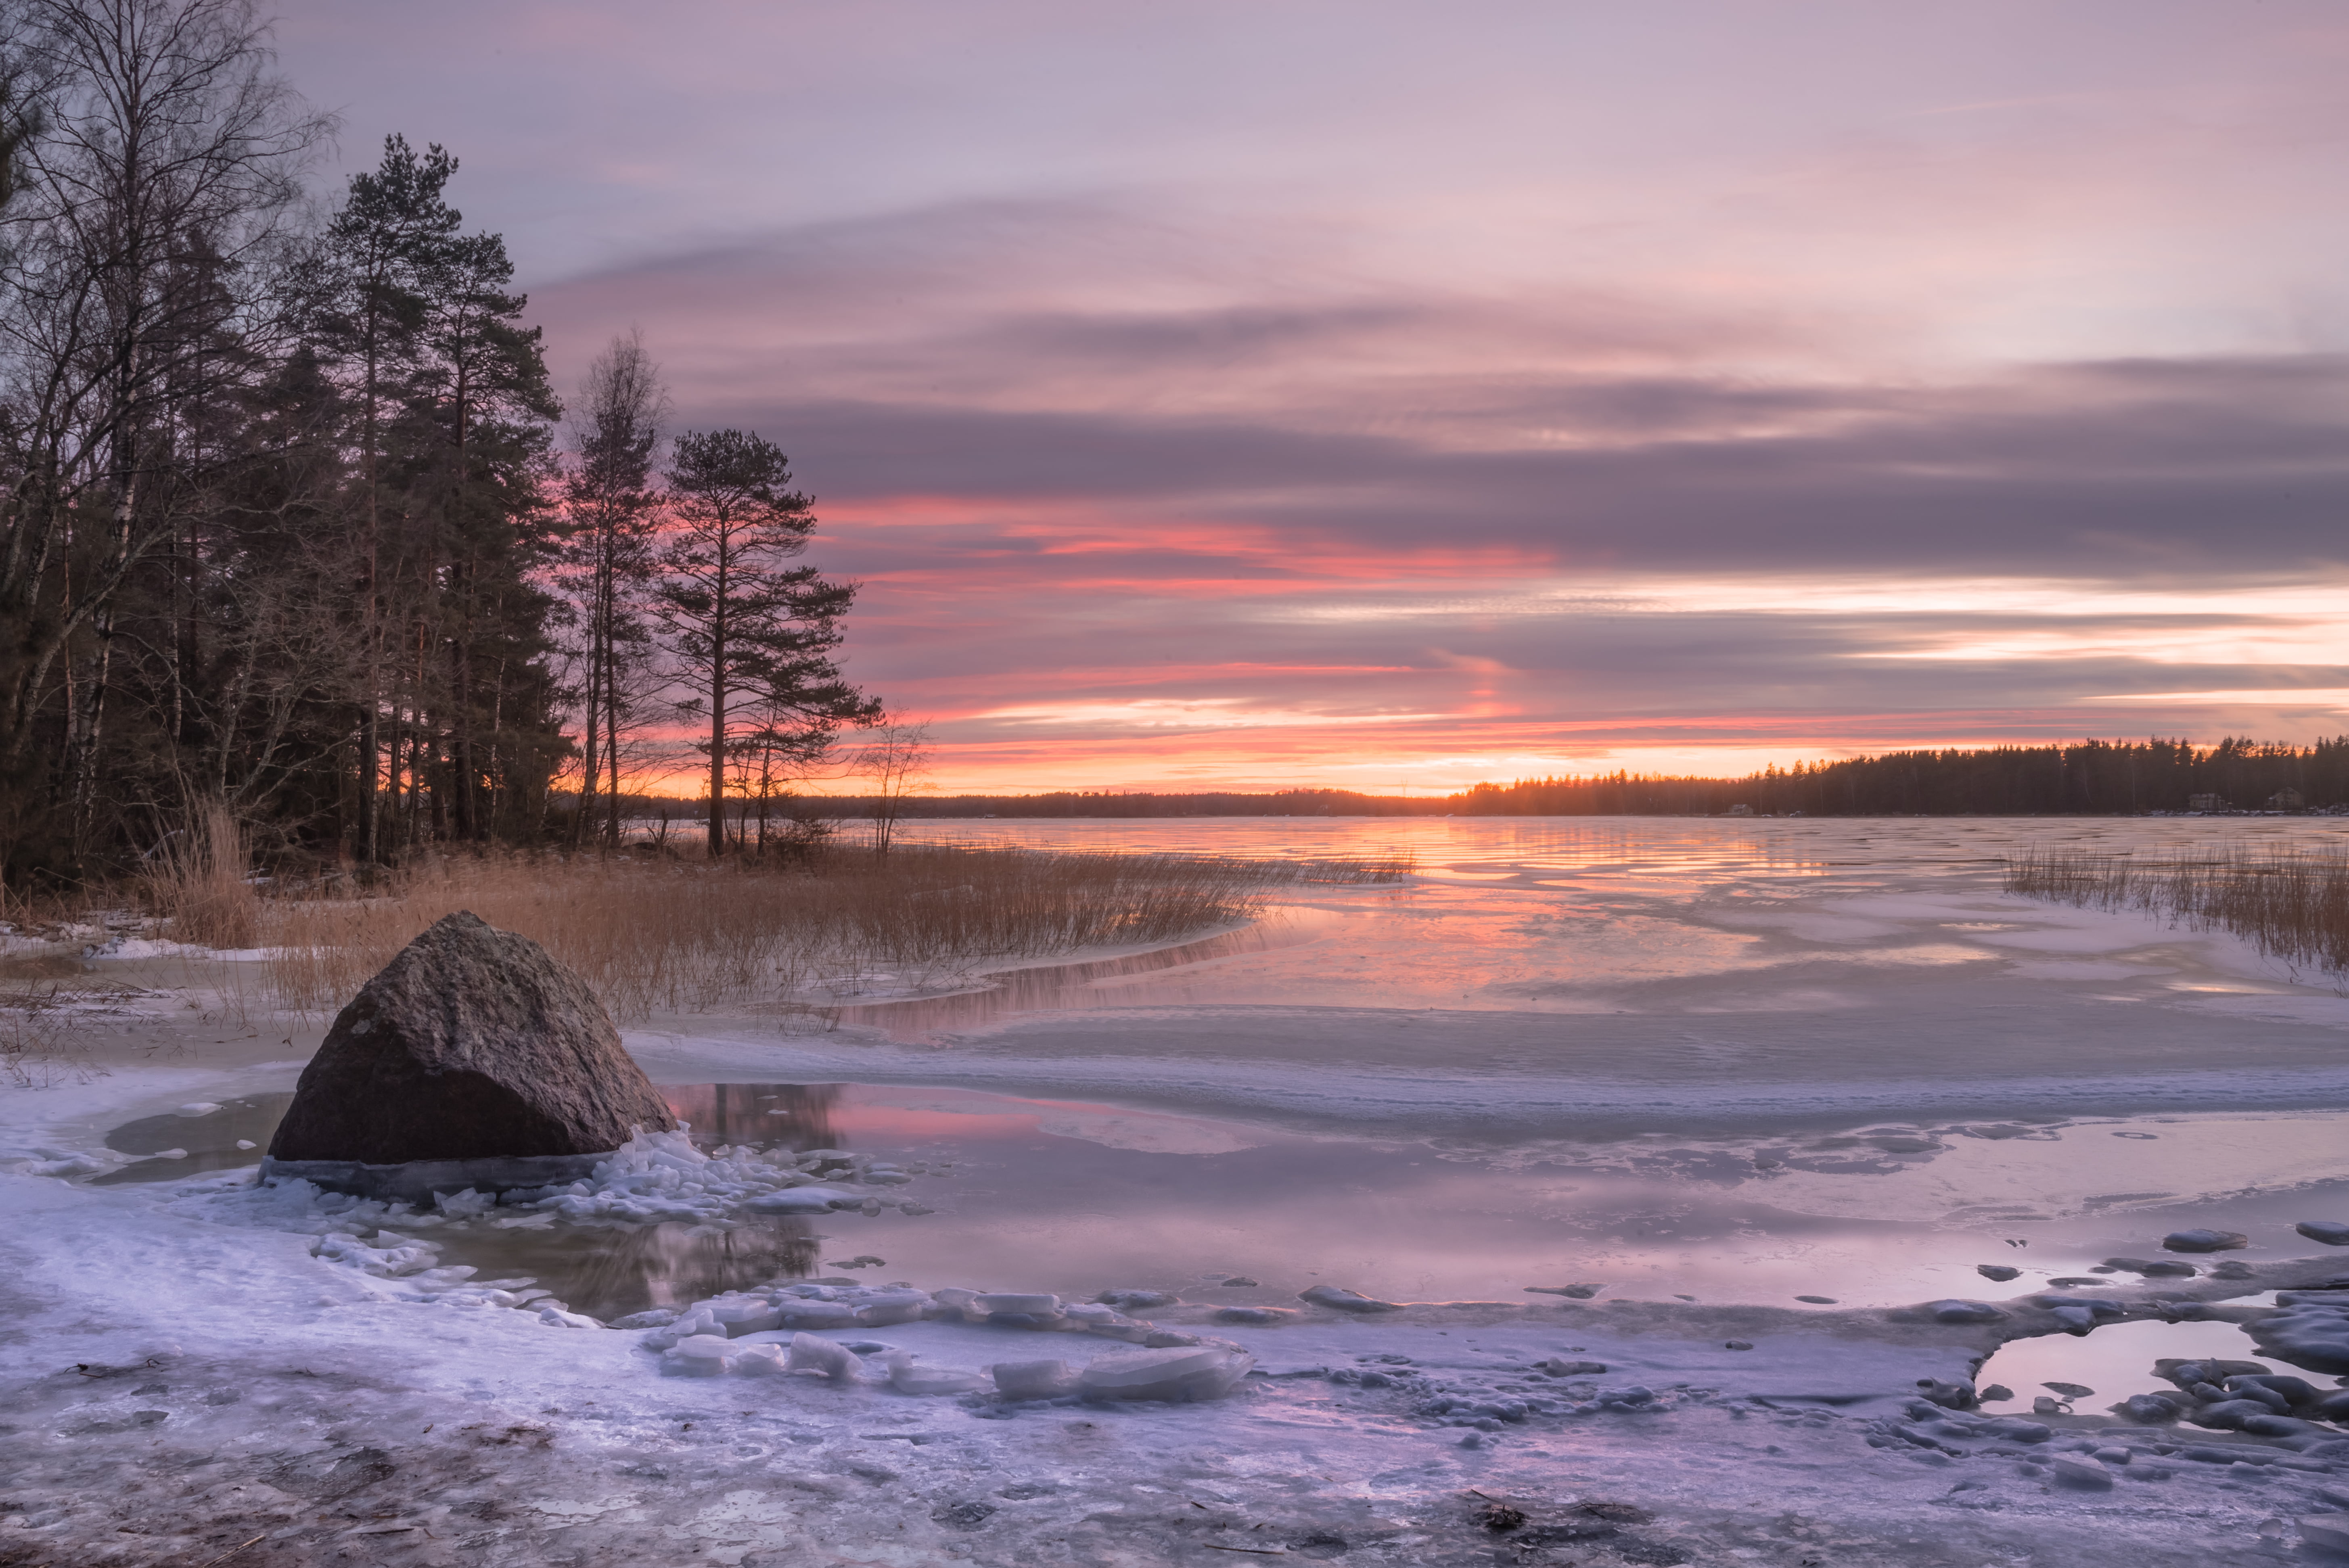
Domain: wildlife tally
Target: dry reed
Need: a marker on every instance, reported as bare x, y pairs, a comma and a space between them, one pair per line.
2290, 903
653, 933
199, 881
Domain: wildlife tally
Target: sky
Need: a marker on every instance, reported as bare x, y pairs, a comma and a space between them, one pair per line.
1396, 396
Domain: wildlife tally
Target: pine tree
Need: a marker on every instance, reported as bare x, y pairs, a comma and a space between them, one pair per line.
753, 637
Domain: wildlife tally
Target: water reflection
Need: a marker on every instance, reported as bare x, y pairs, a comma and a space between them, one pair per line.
232, 1135
1023, 1193
611, 1270
2116, 1361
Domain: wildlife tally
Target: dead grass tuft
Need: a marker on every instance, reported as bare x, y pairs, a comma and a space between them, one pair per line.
2292, 904
200, 881
652, 933
37, 1050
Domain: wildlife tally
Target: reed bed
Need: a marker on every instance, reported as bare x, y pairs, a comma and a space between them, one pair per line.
2291, 903
198, 879
652, 932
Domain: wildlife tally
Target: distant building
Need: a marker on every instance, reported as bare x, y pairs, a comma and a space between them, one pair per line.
2285, 799
2206, 802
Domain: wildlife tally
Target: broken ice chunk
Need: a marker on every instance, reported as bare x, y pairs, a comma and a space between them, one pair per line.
1137, 1300
200, 1108
1999, 1272
1009, 1303
2080, 1470
793, 1313
954, 1302
1343, 1300
1033, 1379
745, 1314
2331, 1232
883, 1308
1196, 1372
908, 1375
697, 1356
1962, 1312
809, 1353
2201, 1241
1258, 1315
554, 1317
800, 1201
760, 1360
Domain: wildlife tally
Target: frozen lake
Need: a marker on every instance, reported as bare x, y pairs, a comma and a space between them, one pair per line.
1693, 1101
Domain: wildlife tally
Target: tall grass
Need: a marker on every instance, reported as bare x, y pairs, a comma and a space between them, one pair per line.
2290, 903
199, 881
652, 932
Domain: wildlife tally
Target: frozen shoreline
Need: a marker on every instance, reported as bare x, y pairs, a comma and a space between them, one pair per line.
180, 1380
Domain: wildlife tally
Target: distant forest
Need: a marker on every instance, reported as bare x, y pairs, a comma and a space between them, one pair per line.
2092, 778
294, 529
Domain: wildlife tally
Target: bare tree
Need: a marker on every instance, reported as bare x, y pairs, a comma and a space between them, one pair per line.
610, 510
140, 274
896, 758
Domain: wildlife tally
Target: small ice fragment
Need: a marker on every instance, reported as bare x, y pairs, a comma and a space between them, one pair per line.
811, 1354
1559, 1367
1817, 1300
760, 1360
954, 1300
1343, 1300
745, 1314
800, 1201
1962, 1312
1139, 1300
1257, 1316
246, 1143
1238, 1281
1033, 1379
2079, 1469
2202, 1241
169, 1154
1737, 1344
1574, 1292
659, 1318
796, 1313
2329, 1531
200, 1108
697, 1356
2331, 1232
1007, 1303
910, 1377
555, 1318
884, 1308
1195, 1372
1999, 1272
2070, 1390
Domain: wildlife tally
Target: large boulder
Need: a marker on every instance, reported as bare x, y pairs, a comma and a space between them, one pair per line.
471, 1048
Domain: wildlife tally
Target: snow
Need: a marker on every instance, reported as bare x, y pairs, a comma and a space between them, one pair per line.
195, 1362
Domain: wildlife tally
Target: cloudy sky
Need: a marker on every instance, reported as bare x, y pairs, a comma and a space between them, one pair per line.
1398, 396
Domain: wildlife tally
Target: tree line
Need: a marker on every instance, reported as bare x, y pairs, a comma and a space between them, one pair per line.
291, 517
2091, 778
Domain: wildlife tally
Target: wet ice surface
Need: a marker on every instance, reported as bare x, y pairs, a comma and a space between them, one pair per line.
1071, 1197
1744, 1063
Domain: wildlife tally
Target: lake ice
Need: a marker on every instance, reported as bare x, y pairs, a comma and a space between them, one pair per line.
1746, 1063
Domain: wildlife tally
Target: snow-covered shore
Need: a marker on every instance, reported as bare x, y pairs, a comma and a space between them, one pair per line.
190, 1368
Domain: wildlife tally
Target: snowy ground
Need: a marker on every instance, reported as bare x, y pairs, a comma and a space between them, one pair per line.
191, 1368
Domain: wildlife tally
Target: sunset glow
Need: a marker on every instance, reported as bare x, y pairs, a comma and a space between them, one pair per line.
1922, 390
